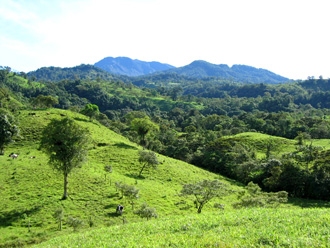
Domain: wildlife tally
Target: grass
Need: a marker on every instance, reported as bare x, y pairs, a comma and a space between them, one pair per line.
243, 228
282, 145
30, 190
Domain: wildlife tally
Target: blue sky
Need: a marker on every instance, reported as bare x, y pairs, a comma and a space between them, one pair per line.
288, 37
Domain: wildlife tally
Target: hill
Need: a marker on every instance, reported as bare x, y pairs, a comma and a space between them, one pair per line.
30, 189
88, 72
130, 67
237, 73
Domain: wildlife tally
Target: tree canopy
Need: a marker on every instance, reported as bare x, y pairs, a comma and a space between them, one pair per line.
8, 129
204, 191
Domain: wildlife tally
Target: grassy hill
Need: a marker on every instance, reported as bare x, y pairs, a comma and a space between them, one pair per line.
281, 145
31, 190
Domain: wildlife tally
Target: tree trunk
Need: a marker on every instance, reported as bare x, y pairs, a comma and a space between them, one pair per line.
200, 208
1, 151
142, 169
65, 195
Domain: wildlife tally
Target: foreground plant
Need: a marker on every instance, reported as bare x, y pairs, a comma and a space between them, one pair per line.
146, 212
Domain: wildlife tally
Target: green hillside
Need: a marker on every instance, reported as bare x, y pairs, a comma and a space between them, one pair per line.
30, 190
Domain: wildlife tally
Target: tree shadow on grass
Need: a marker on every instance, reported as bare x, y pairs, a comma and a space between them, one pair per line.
307, 203
125, 146
111, 206
80, 119
134, 176
113, 214
7, 218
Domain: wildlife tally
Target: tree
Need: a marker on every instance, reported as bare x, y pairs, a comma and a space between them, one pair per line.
64, 141
142, 126
44, 101
90, 110
8, 129
204, 191
147, 159
146, 212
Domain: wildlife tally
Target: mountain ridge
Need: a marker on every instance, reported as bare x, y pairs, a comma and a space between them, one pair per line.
129, 67
126, 69
242, 73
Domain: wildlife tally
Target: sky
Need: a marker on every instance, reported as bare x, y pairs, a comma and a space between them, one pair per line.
288, 37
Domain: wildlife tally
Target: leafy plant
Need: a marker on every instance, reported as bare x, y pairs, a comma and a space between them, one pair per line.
75, 223
59, 216
146, 212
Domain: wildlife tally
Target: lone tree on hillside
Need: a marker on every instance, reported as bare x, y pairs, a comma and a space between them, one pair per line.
147, 159
143, 126
8, 129
204, 191
64, 141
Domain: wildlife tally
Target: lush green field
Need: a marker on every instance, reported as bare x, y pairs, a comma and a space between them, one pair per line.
233, 228
30, 190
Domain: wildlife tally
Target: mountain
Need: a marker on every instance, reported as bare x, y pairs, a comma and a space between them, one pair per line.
83, 71
130, 67
240, 73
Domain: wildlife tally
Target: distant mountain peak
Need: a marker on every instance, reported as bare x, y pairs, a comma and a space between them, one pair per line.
239, 73
129, 67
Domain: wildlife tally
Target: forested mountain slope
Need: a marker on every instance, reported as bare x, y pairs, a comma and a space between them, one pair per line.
236, 73
88, 72
130, 67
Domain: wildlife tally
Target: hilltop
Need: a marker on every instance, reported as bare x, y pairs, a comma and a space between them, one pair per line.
87, 72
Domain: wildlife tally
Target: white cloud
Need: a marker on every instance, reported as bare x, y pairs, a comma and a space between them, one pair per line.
287, 37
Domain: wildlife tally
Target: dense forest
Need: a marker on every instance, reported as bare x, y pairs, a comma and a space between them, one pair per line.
197, 120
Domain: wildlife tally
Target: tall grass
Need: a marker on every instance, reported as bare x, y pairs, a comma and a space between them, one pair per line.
233, 228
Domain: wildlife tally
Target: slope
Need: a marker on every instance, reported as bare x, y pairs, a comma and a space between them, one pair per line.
30, 190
